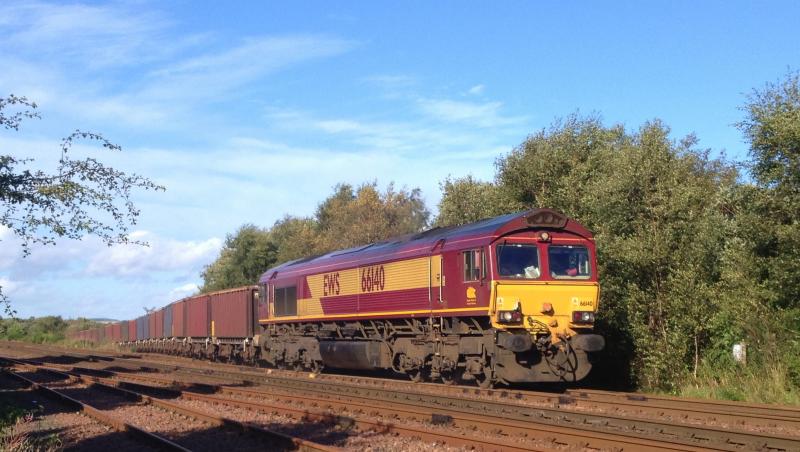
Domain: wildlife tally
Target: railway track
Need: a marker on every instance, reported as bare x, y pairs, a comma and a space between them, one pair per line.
563, 419
729, 415
772, 418
238, 398
163, 425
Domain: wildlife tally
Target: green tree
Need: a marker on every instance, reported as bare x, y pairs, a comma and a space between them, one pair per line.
81, 197
49, 329
467, 200
357, 217
762, 271
245, 255
653, 204
295, 238
348, 217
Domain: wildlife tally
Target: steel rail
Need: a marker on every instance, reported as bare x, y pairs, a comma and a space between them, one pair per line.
754, 410
682, 410
733, 413
344, 421
558, 435
510, 423
302, 413
144, 436
558, 402
688, 435
284, 441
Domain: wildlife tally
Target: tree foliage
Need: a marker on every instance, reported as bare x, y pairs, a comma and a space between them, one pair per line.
467, 200
348, 217
49, 329
81, 197
243, 258
356, 217
693, 258
651, 203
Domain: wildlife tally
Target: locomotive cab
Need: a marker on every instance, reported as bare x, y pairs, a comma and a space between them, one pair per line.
544, 300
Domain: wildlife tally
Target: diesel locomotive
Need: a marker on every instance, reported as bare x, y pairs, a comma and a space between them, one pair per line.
510, 299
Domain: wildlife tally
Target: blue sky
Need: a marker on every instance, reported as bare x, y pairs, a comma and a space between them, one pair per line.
247, 111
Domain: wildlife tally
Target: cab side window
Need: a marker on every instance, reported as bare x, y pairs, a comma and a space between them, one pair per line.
472, 265
285, 301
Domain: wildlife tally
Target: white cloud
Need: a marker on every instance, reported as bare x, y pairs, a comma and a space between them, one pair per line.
91, 35
8, 286
485, 114
183, 291
391, 81
161, 255
69, 58
475, 90
215, 73
341, 126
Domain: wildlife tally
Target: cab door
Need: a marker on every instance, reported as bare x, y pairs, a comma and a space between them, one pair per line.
262, 309
467, 278
436, 279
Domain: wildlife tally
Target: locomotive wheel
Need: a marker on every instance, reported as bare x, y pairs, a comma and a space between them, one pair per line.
449, 378
418, 375
484, 379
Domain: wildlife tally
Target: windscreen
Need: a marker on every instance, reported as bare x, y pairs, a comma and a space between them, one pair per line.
569, 262
518, 261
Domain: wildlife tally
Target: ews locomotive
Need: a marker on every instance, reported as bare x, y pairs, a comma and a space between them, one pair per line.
509, 299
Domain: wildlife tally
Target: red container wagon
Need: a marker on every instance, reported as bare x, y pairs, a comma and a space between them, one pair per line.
141, 328
167, 328
198, 316
179, 318
158, 324
124, 332
116, 332
131, 330
105, 333
151, 325
94, 336
234, 312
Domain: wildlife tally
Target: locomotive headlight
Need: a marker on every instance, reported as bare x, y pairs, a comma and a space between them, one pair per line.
509, 316
582, 317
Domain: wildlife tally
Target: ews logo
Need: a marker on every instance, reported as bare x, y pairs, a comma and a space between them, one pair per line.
331, 284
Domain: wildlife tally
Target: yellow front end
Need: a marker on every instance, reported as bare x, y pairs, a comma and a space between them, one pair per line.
545, 305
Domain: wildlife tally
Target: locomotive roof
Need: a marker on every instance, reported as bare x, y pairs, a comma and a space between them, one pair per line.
418, 244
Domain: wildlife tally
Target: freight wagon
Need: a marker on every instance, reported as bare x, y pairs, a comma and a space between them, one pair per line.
214, 325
